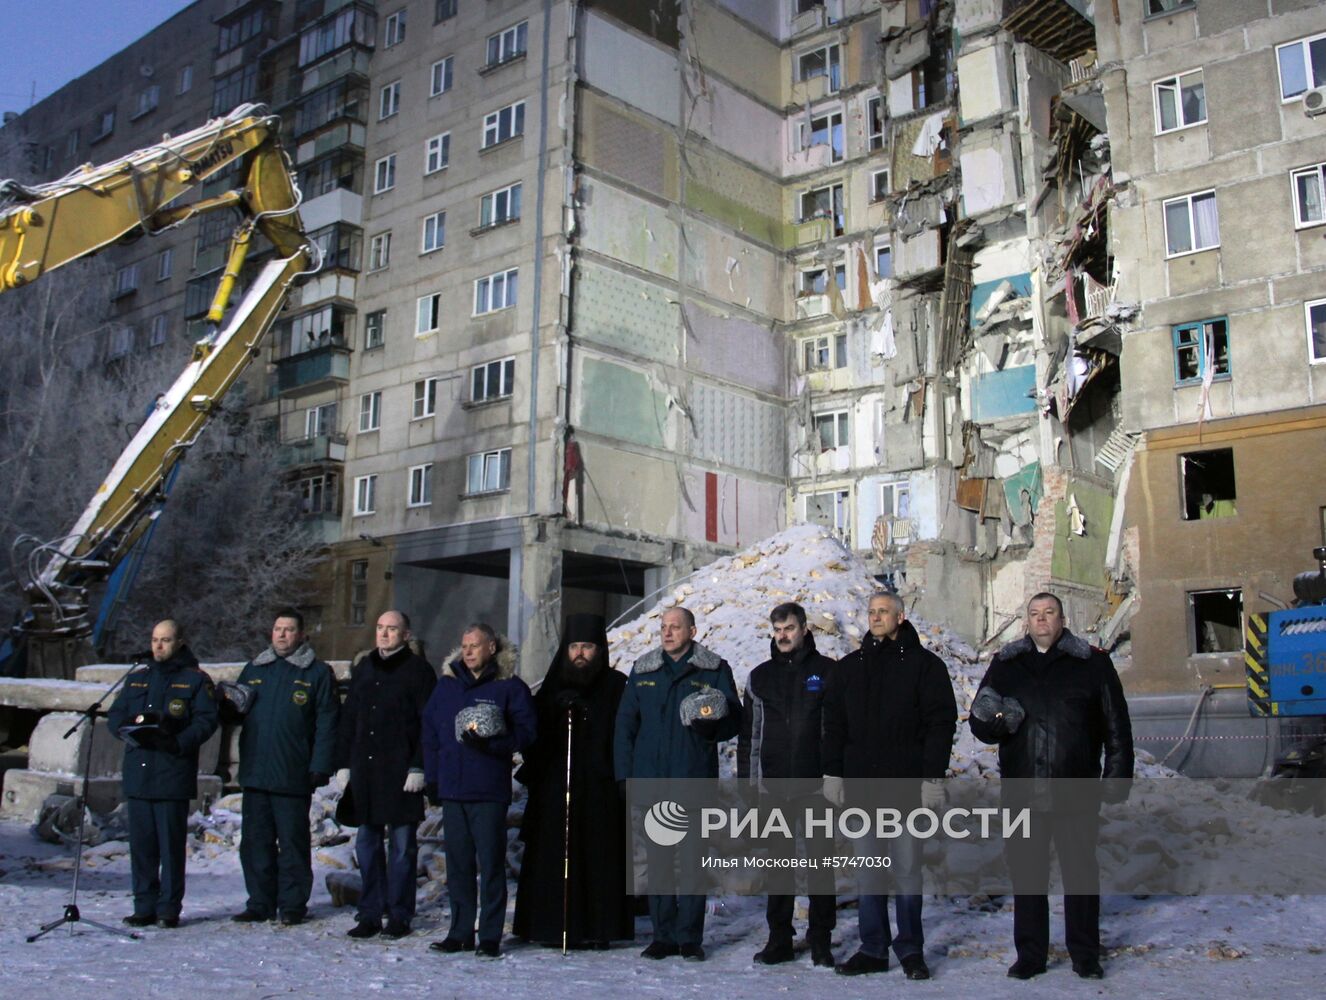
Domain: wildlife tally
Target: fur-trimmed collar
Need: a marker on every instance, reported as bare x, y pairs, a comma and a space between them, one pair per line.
1072, 645
506, 660
303, 657
703, 658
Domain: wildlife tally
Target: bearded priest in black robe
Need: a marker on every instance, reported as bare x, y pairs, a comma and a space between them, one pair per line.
582, 684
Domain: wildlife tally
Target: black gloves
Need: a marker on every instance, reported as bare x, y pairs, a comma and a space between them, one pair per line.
705, 728
167, 743
472, 739
430, 793
316, 779
568, 700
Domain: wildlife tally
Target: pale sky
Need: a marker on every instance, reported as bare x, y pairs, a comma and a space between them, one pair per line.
47, 43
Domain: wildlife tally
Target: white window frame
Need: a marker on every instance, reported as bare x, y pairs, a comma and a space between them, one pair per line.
379, 251
185, 83
314, 420
165, 264
512, 43
156, 335
901, 529
421, 485
1176, 85
148, 99
375, 333
842, 509
482, 461
837, 219
440, 76
829, 346
492, 125
427, 310
425, 398
389, 100
1319, 171
433, 235
875, 140
393, 30
484, 298
832, 52
437, 153
366, 495
841, 421
875, 195
505, 376
874, 260
1192, 228
806, 283
370, 411
126, 281
384, 173
489, 203
1308, 306
1305, 51
830, 117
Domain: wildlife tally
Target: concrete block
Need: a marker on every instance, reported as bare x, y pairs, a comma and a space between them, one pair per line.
47, 694
49, 751
25, 791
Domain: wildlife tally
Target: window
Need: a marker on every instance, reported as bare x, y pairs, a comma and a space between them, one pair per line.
831, 509
1302, 65
426, 314
1200, 348
339, 244
1154, 7
374, 323
1316, 319
1180, 101
240, 30
185, 82
71, 143
883, 260
488, 472
832, 429
1309, 195
394, 31
105, 126
879, 185
421, 485
157, 333
320, 421
821, 62
815, 280
895, 505
317, 495
495, 291
444, 10
165, 263
389, 100
806, 5
825, 203
366, 495
384, 174
147, 101
234, 88
825, 352
425, 398
121, 342
499, 126
437, 153
500, 206
351, 25
493, 380
1191, 224
435, 230
1207, 479
358, 587
379, 251
126, 281
1217, 621
507, 45
370, 411
875, 123
825, 130
439, 76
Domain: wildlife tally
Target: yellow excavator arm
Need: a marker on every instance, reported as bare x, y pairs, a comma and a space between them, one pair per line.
45, 226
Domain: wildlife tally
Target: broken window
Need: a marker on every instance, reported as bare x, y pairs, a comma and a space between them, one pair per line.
875, 123
1180, 101
1217, 621
879, 185
1309, 188
822, 353
825, 203
831, 428
825, 130
815, 280
1316, 319
824, 61
1154, 7
1302, 65
895, 505
1191, 223
1199, 348
830, 509
1208, 484
931, 81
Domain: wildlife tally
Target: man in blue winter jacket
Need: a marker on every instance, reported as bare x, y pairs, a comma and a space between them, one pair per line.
479, 715
659, 736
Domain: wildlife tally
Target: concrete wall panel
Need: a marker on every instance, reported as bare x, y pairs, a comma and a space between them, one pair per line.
730, 268
642, 74
724, 46
735, 349
733, 121
624, 312
631, 492
628, 146
979, 84
735, 194
735, 429
620, 402
629, 229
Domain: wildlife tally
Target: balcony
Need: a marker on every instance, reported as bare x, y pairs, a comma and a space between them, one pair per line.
313, 369
318, 450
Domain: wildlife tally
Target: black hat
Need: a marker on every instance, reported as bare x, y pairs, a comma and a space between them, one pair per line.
584, 628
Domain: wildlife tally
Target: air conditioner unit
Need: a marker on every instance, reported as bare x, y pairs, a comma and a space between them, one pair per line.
1314, 102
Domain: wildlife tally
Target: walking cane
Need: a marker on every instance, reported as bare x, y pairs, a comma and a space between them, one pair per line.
566, 831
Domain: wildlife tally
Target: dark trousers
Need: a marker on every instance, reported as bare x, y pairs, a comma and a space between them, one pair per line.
388, 863
475, 835
677, 919
1074, 836
157, 832
818, 881
903, 881
275, 852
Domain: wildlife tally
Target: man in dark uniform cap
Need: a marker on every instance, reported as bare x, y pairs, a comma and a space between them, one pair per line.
581, 684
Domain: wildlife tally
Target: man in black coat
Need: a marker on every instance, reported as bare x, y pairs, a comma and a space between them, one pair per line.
380, 747
579, 695
1054, 704
165, 712
779, 740
889, 713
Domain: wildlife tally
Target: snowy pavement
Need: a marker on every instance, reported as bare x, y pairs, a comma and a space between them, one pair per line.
1211, 947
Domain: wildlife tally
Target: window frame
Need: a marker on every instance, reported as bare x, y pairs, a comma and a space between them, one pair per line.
445, 10
1192, 227
1305, 47
1307, 321
1194, 642
366, 495
833, 346
158, 330
1176, 80
837, 211
833, 59
447, 66
389, 100
487, 201
842, 508
370, 411
519, 34
393, 29
389, 163
435, 298
379, 251
375, 321
493, 121
438, 148
841, 421
509, 278
1177, 331
1319, 169
420, 492
184, 81
875, 140
165, 264
424, 403
358, 591
439, 222
1178, 5
887, 246
506, 380
313, 420
495, 454
808, 130
806, 288
875, 196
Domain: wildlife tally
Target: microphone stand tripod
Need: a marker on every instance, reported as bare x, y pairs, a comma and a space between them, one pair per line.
71, 914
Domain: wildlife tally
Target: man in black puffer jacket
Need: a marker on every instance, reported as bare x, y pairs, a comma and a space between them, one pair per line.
779, 740
1054, 704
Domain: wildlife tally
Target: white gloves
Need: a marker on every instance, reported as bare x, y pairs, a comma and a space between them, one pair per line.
934, 796
414, 782
342, 779
833, 790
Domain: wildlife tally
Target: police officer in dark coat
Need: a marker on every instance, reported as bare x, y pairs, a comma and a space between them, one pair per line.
1055, 707
781, 721
582, 684
169, 709
889, 713
380, 747
286, 750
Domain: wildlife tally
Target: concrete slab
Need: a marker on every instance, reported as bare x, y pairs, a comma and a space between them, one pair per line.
25, 791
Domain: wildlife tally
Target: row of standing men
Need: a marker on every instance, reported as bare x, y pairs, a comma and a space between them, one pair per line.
407, 734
